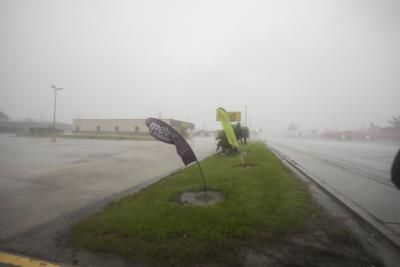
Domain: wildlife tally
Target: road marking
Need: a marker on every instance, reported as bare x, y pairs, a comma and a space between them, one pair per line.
22, 261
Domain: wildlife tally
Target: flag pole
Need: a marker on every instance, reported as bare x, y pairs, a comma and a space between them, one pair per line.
202, 177
241, 157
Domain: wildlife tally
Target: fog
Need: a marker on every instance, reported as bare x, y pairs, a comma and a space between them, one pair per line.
319, 64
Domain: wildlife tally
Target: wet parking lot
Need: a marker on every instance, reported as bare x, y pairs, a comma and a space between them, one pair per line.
41, 181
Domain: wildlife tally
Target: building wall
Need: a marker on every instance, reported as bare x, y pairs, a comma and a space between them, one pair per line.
23, 126
123, 126
110, 125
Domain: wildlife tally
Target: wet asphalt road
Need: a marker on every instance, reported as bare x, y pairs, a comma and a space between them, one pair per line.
360, 172
41, 181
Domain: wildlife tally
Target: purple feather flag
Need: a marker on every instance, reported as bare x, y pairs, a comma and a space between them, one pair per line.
165, 133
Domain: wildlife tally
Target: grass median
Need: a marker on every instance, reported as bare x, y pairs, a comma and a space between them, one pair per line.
262, 204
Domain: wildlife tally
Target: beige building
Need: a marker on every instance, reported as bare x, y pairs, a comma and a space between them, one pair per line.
125, 126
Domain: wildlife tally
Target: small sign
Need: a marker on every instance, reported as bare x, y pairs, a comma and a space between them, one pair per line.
233, 116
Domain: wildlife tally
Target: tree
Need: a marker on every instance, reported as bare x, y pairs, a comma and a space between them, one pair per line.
223, 143
293, 127
3, 116
238, 131
242, 134
395, 123
374, 127
246, 134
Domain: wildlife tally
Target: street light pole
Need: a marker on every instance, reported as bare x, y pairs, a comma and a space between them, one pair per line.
54, 111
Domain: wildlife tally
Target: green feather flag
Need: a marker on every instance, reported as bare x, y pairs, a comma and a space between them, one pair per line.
226, 124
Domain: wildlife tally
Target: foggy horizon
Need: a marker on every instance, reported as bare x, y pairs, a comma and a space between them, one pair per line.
318, 64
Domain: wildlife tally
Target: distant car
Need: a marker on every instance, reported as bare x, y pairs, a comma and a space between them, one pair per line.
396, 170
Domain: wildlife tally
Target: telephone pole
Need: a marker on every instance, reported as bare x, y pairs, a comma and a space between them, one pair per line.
245, 116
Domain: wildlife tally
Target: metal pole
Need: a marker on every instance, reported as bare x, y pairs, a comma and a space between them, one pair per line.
54, 111
241, 157
245, 124
202, 177
245, 116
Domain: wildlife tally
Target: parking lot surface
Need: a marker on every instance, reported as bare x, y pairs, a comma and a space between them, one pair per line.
41, 181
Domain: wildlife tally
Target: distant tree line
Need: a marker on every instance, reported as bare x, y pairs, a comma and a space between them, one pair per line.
3, 116
394, 125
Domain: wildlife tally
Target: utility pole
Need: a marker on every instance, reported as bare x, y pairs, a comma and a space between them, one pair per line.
250, 122
245, 116
53, 138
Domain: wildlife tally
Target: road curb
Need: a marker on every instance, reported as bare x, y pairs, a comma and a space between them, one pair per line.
389, 235
19, 260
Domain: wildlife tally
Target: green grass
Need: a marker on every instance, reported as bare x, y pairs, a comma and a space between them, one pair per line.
261, 203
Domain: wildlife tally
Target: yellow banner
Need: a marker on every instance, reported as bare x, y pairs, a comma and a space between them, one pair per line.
222, 116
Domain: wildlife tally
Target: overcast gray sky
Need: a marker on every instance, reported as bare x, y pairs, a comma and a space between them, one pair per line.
313, 63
